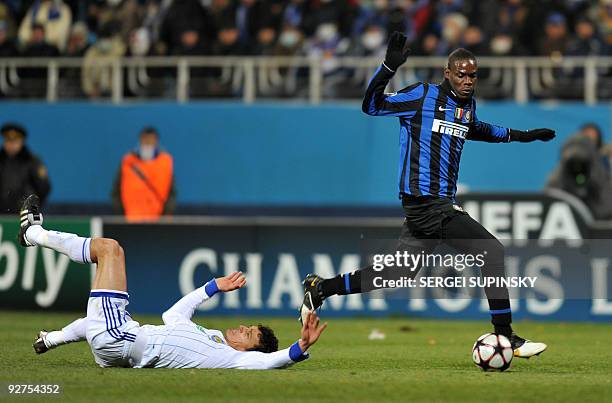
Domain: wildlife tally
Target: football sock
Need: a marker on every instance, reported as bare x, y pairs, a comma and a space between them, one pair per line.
501, 316
71, 333
504, 330
75, 247
359, 281
342, 284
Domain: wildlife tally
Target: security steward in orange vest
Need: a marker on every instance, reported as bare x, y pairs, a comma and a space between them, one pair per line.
144, 187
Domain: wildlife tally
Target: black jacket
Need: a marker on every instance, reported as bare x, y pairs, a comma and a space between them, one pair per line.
21, 176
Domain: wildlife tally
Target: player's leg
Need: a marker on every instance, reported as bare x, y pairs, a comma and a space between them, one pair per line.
467, 235
106, 308
317, 289
71, 333
106, 253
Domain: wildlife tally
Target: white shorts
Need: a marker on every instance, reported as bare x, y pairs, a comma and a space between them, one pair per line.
111, 332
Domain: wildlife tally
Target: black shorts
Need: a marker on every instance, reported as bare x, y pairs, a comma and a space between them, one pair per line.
427, 215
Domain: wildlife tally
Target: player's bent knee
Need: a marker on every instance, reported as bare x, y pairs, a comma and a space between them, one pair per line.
108, 247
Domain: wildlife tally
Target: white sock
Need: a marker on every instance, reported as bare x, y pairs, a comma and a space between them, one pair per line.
71, 333
75, 247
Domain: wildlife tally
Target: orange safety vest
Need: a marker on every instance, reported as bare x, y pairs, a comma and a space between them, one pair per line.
145, 185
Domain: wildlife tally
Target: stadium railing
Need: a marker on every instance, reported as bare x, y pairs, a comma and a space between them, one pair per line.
314, 80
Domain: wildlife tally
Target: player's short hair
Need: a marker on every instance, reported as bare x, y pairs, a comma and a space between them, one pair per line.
149, 130
268, 343
459, 54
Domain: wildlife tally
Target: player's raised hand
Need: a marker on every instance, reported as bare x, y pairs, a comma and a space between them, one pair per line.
231, 282
397, 50
311, 330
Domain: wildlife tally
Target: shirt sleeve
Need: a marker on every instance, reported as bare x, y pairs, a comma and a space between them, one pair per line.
278, 359
404, 103
183, 309
482, 131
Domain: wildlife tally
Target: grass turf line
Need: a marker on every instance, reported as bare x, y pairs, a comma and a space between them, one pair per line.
420, 360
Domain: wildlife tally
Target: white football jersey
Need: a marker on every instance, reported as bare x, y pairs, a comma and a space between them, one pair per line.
181, 343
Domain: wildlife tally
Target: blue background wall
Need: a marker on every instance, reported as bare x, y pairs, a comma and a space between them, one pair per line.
276, 153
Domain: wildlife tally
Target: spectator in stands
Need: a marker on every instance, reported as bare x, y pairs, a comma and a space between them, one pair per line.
328, 44
188, 28
21, 172
228, 41
555, 39
372, 41
223, 13
290, 41
371, 12
250, 14
293, 14
428, 45
473, 40
54, 16
414, 18
7, 45
453, 28
126, 15
502, 44
37, 45
584, 171
97, 71
586, 42
78, 40
140, 42
144, 186
266, 41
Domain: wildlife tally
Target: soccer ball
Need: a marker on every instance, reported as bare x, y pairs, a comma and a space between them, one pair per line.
492, 352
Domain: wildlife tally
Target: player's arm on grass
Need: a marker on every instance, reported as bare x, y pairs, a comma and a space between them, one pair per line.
184, 309
403, 103
482, 131
311, 331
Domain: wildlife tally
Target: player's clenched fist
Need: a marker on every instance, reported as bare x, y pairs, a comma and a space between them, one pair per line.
311, 330
231, 282
397, 50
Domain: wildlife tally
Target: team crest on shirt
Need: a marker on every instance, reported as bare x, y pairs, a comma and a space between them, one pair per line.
213, 337
465, 115
217, 339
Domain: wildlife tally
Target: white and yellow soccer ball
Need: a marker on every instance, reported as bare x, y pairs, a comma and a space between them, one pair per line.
492, 352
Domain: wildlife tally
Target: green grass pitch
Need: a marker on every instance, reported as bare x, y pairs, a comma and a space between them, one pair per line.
420, 360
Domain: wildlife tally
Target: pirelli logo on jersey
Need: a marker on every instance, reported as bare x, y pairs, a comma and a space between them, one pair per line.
454, 129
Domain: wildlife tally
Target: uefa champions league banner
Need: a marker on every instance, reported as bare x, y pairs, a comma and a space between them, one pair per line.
572, 274
558, 259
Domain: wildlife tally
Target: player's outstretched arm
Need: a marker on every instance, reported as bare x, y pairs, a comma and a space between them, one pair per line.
311, 331
184, 308
527, 136
482, 131
405, 103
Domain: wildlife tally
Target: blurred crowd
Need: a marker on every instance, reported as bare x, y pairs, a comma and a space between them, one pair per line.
279, 27
102, 30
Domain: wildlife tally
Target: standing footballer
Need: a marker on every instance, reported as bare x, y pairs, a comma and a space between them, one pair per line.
435, 121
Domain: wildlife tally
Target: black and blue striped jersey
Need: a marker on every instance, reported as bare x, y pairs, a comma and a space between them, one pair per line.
434, 124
